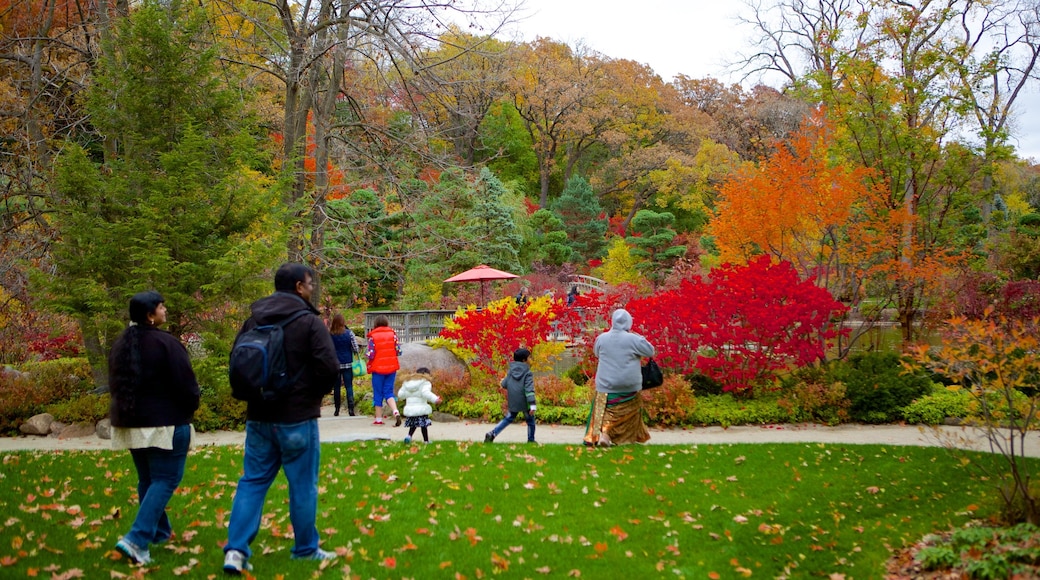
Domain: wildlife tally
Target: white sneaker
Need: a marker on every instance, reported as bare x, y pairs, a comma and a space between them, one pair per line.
235, 562
318, 554
136, 554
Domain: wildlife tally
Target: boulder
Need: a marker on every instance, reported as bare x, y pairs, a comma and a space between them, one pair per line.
56, 428
77, 430
37, 424
439, 417
104, 428
415, 355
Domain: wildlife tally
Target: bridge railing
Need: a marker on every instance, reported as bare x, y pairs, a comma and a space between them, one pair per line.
411, 325
586, 283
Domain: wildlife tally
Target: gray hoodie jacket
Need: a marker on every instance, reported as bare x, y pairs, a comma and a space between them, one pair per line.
619, 351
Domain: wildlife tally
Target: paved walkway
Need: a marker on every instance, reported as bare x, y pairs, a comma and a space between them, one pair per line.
343, 428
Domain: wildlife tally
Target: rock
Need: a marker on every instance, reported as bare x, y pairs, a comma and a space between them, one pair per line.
56, 428
37, 424
438, 417
415, 355
77, 430
104, 428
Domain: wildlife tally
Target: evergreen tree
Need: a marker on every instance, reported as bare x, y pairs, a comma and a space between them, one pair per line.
360, 245
491, 227
548, 239
652, 244
177, 201
581, 213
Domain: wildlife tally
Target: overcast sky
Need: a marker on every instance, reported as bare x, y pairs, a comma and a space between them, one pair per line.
698, 38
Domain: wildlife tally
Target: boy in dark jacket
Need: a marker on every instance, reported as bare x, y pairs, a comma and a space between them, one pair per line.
519, 386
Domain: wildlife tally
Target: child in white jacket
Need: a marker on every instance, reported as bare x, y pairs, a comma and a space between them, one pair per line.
417, 393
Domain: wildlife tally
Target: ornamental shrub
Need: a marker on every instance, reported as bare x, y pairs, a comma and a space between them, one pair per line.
742, 325
671, 404
87, 408
934, 408
27, 391
809, 394
485, 339
878, 387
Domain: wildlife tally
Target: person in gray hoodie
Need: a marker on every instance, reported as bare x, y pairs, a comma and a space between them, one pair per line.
617, 409
519, 386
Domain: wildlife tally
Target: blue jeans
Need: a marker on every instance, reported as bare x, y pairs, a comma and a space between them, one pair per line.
508, 420
294, 448
382, 388
347, 375
159, 472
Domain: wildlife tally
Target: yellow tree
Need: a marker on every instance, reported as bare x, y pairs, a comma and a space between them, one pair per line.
551, 85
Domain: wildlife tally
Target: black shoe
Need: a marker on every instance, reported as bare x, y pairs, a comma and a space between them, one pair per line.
335, 413
350, 411
489, 437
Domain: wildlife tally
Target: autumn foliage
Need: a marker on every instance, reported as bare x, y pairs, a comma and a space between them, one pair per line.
487, 338
789, 205
741, 325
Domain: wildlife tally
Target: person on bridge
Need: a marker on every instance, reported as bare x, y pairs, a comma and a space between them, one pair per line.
572, 295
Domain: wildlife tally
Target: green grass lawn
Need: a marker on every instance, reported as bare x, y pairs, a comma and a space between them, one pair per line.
470, 510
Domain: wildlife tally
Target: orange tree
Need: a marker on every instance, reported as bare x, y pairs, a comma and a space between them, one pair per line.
997, 359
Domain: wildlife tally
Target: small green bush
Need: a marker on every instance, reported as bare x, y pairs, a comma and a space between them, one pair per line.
933, 409
727, 411
219, 411
809, 395
878, 387
88, 408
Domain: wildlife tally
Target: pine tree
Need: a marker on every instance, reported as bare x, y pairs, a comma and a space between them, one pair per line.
582, 217
491, 225
652, 244
177, 201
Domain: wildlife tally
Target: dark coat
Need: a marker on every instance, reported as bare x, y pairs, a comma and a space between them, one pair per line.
519, 385
309, 355
169, 393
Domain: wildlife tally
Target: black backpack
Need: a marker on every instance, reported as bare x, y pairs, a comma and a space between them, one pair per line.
257, 367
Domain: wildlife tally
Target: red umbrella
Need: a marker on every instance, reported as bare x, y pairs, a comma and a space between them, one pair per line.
481, 274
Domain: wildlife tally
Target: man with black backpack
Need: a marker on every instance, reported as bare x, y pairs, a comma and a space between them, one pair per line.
281, 421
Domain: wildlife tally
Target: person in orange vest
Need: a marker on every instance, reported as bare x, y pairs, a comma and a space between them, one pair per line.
383, 349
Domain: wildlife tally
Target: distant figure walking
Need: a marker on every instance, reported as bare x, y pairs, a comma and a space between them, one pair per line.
519, 386
383, 350
346, 349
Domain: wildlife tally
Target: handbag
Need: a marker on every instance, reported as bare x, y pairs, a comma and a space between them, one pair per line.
358, 366
652, 376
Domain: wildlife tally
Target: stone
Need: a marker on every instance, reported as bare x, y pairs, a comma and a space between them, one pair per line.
37, 424
104, 428
439, 417
415, 355
77, 430
56, 428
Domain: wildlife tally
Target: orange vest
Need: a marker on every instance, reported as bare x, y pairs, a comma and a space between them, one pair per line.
384, 341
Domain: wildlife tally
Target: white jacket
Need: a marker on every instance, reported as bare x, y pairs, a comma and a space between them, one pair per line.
417, 393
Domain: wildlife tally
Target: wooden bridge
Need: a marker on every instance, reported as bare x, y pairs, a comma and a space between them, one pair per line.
421, 325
